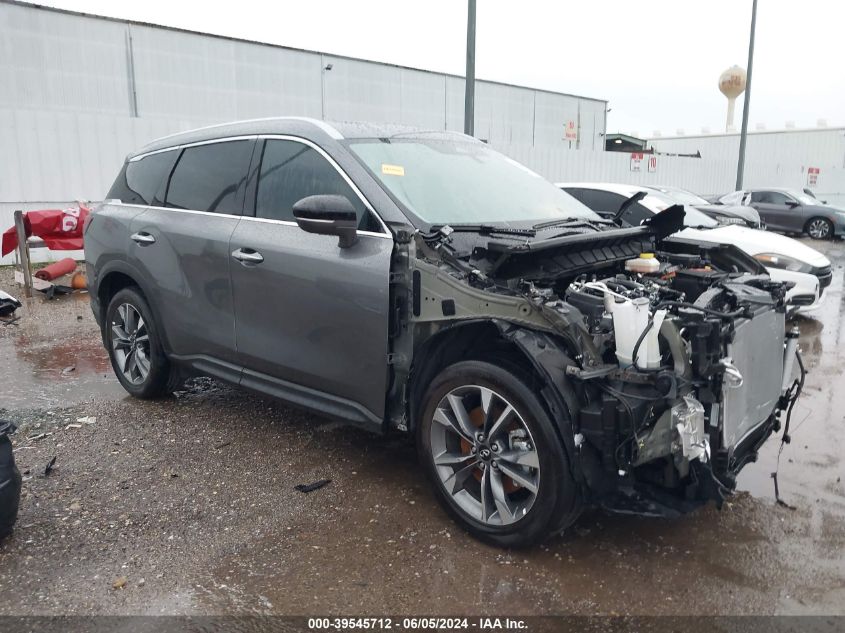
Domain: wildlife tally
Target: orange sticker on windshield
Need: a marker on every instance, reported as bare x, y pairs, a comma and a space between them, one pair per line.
392, 170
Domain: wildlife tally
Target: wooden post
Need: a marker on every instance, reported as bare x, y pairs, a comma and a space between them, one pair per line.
23, 254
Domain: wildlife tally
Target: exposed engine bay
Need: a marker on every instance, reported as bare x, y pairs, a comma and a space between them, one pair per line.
669, 361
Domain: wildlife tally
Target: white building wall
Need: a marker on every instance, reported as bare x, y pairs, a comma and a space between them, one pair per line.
817, 147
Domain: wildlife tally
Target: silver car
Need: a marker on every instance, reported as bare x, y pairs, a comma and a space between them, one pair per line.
544, 359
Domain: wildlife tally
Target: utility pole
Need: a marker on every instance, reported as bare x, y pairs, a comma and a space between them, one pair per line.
740, 167
469, 96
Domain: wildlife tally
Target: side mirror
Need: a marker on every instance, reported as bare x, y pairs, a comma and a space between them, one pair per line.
328, 215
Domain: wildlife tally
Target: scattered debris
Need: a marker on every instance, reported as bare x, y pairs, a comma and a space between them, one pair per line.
68, 370
8, 304
222, 444
312, 486
56, 269
49, 467
87, 419
73, 426
120, 583
38, 436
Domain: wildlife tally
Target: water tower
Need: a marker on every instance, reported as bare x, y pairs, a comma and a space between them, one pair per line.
732, 84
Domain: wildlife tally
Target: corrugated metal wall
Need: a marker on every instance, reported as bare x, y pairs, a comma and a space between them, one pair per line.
55, 61
80, 92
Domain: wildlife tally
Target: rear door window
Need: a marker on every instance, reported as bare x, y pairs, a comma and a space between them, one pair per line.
143, 181
211, 177
290, 171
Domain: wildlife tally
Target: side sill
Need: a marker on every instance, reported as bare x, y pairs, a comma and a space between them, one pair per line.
293, 394
311, 400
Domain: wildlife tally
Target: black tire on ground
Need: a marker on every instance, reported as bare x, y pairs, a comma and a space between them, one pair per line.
160, 380
557, 499
10, 482
821, 227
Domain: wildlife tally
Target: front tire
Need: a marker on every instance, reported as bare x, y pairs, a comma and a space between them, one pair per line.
819, 229
493, 455
134, 345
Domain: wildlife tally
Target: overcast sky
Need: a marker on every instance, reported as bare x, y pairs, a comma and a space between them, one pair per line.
656, 61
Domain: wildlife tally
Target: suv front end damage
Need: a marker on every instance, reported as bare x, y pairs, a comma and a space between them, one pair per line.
663, 385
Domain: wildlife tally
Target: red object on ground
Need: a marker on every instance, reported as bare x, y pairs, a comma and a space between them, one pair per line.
56, 269
61, 229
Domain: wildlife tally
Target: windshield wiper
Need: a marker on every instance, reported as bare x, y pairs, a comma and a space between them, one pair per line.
617, 217
562, 222
482, 229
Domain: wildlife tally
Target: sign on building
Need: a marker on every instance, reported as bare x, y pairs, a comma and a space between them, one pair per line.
652, 163
570, 131
812, 176
636, 161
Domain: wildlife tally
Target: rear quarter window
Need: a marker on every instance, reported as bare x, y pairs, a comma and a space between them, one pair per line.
143, 181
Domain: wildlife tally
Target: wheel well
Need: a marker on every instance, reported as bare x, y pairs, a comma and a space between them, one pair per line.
110, 285
472, 341
819, 217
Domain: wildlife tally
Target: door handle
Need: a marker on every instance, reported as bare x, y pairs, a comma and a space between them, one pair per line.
248, 256
143, 238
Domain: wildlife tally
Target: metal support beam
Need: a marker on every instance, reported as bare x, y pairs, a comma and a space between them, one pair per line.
469, 95
23, 254
740, 167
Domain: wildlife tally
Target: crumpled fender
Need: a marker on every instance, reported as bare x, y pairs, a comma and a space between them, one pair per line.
550, 361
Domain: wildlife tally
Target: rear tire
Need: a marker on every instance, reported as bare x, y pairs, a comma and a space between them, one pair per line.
819, 229
134, 345
494, 457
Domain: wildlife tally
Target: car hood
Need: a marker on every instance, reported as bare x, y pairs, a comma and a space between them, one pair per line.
754, 242
748, 214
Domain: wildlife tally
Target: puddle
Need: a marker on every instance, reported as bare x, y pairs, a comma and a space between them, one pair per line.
53, 356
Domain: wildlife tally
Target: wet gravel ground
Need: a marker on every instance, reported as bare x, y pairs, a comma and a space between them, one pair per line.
187, 506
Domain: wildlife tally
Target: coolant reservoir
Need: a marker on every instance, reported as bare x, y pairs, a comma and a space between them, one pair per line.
630, 319
645, 264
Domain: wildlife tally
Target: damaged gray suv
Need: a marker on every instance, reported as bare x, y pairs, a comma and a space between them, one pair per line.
543, 358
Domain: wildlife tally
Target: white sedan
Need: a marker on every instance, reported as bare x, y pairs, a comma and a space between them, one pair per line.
785, 259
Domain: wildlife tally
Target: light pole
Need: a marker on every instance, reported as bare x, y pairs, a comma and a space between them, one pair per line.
740, 167
469, 95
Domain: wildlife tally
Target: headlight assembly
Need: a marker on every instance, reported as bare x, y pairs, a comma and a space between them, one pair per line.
773, 260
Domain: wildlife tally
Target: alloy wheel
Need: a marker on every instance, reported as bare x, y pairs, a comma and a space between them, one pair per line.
818, 229
484, 455
130, 342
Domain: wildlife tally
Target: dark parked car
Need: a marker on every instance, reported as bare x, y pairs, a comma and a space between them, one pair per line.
792, 210
722, 213
420, 282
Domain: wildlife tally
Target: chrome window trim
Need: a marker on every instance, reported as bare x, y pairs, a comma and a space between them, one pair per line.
226, 139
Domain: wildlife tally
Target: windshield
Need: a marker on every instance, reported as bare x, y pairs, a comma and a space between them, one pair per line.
682, 196
657, 201
457, 182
